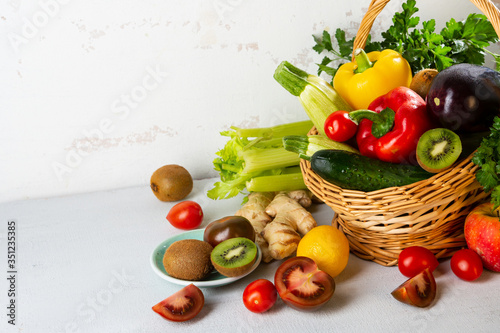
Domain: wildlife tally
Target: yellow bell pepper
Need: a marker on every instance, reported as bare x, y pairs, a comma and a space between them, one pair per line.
370, 76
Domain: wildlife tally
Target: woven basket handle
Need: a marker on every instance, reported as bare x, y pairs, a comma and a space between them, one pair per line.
376, 6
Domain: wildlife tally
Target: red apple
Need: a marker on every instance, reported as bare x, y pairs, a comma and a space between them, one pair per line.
482, 234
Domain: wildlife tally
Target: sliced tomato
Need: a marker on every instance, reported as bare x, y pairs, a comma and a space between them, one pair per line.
419, 290
301, 285
183, 305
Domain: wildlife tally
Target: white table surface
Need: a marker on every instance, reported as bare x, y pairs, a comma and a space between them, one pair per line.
83, 266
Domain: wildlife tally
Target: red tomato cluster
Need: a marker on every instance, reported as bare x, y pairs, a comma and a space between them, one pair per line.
311, 287
418, 263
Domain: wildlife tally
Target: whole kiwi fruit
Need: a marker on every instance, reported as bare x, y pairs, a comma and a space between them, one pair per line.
188, 259
171, 182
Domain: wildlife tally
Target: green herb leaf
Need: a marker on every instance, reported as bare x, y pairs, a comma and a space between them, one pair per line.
323, 67
487, 158
458, 42
345, 46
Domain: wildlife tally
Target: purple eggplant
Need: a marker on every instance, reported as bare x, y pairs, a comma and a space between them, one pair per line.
465, 98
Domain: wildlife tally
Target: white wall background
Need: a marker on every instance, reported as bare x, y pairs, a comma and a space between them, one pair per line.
98, 94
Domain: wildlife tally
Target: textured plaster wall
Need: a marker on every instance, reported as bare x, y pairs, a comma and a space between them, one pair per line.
98, 94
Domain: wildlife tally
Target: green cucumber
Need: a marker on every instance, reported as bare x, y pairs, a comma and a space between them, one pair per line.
357, 172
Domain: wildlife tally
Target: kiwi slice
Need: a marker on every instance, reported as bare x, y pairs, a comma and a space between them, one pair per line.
438, 149
234, 256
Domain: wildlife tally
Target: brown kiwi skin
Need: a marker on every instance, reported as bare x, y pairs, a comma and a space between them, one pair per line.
188, 259
171, 182
428, 169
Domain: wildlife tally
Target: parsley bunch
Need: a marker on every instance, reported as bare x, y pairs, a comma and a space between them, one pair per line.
458, 42
487, 158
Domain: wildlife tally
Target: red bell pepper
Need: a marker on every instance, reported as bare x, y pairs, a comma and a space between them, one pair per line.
389, 130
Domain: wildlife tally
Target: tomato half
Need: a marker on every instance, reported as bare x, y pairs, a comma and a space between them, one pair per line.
415, 259
339, 127
301, 285
466, 264
260, 295
183, 305
185, 215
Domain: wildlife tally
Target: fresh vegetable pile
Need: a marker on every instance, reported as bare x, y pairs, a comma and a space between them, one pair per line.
403, 109
402, 136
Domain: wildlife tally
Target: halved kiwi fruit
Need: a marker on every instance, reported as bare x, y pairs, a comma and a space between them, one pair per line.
438, 149
234, 256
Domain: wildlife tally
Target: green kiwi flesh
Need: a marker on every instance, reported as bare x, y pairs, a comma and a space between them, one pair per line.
234, 257
438, 149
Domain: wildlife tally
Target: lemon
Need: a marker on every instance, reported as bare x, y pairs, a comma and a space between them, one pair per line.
328, 247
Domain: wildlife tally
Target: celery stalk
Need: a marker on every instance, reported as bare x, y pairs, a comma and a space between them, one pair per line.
284, 182
318, 98
307, 145
265, 159
277, 131
241, 160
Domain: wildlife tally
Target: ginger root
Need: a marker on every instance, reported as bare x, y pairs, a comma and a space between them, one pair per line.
291, 220
303, 197
279, 220
255, 212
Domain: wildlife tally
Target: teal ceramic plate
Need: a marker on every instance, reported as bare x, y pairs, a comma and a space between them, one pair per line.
213, 280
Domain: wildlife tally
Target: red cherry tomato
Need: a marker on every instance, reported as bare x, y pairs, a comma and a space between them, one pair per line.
260, 295
415, 259
185, 215
183, 305
339, 127
466, 264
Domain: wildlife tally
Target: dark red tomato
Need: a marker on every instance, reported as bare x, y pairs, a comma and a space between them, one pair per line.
228, 227
301, 285
415, 259
466, 264
185, 215
339, 127
182, 305
260, 295
419, 290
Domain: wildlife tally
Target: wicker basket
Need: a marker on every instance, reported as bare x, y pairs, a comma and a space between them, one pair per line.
428, 213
